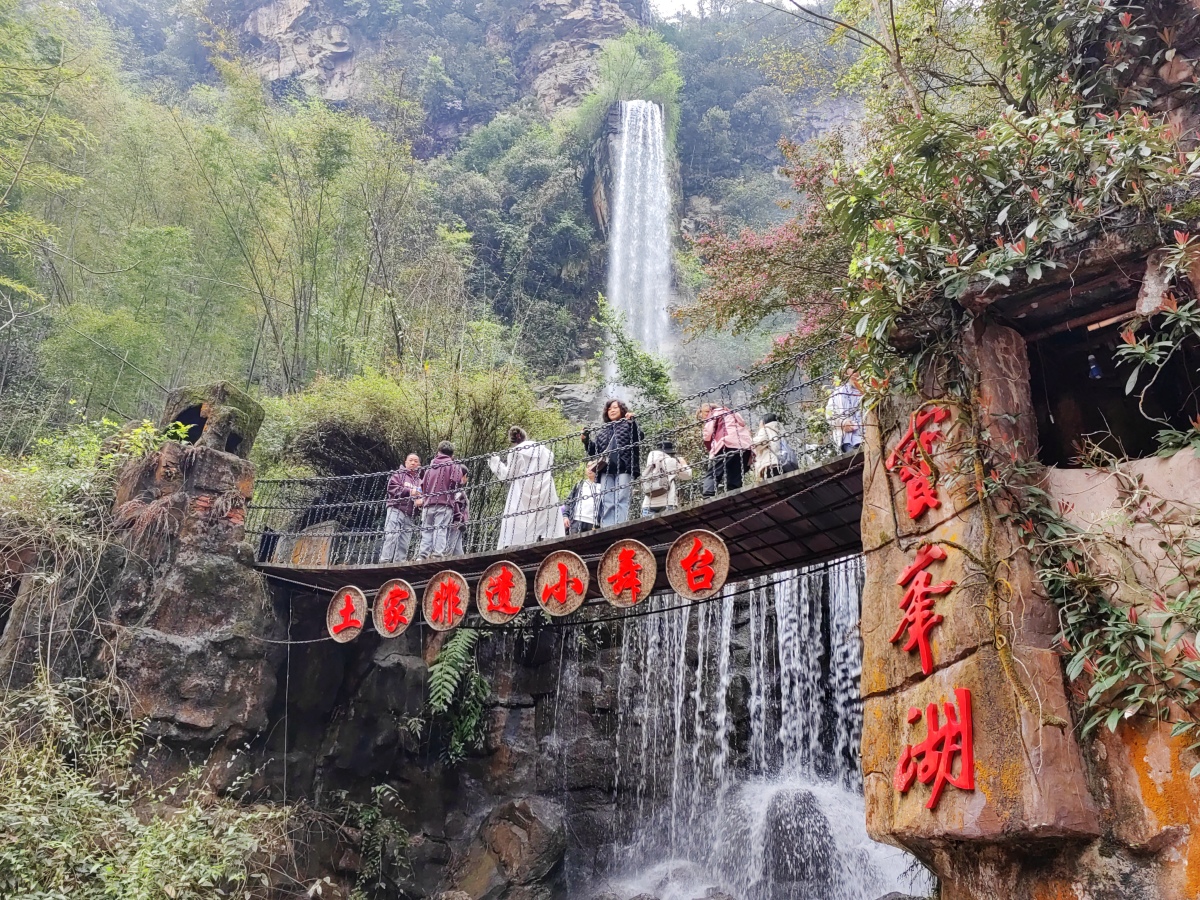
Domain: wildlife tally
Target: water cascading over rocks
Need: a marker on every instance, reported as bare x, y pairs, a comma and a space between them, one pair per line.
738, 743
639, 246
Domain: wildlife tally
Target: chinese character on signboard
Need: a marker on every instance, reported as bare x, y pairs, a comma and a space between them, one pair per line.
919, 618
392, 612
911, 460
443, 601
626, 573
933, 760
561, 583
501, 593
698, 564
347, 610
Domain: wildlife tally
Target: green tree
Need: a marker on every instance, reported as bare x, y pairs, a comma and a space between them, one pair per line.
639, 65
35, 65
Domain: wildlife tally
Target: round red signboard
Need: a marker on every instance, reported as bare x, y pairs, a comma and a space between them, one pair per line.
626, 573
698, 564
346, 614
446, 599
395, 608
500, 594
561, 583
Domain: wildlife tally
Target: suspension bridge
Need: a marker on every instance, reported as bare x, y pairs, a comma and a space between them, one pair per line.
327, 532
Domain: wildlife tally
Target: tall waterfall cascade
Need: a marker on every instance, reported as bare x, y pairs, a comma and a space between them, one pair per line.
639, 254
737, 763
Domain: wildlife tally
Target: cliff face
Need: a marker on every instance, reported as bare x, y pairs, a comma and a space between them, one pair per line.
326, 47
499, 823
309, 41
559, 41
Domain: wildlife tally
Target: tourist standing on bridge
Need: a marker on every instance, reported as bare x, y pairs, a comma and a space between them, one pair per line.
403, 498
664, 470
844, 414
531, 512
728, 440
773, 455
616, 445
442, 480
581, 511
456, 544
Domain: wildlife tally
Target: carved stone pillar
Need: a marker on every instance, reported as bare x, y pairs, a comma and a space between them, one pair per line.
993, 640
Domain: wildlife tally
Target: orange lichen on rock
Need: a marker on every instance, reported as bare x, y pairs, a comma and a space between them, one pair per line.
1156, 802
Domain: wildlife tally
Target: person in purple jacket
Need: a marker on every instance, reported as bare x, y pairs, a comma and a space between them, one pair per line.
443, 477
403, 500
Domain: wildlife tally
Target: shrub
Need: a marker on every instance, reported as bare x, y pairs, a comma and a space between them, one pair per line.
75, 821
370, 422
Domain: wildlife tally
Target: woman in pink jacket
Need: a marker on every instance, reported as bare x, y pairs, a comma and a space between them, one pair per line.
728, 440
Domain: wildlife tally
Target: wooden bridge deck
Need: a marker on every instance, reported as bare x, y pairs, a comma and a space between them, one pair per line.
795, 520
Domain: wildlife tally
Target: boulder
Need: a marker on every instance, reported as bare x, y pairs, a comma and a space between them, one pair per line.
579, 401
800, 850
517, 853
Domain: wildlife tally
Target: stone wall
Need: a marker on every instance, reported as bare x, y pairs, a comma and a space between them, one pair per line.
347, 718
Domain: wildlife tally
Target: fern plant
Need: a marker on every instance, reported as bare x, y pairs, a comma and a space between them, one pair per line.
454, 660
457, 692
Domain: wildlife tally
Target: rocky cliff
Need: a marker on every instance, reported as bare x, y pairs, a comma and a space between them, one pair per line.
326, 47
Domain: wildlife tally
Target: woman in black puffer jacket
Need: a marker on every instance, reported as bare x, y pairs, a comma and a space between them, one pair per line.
620, 438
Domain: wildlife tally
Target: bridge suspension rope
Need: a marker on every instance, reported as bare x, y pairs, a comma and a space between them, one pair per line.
338, 521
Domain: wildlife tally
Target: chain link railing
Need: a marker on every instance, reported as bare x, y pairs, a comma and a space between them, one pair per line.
339, 521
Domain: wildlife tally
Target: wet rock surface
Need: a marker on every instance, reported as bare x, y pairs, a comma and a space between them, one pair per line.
517, 853
800, 850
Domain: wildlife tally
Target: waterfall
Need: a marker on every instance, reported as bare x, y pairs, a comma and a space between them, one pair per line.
738, 747
639, 245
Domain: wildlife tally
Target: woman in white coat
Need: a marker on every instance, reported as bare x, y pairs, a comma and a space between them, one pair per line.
531, 512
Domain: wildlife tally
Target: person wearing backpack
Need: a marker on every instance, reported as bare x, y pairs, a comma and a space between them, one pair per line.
727, 439
660, 478
773, 455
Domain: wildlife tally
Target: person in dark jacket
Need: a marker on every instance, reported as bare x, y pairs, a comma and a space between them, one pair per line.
456, 545
441, 482
618, 440
403, 498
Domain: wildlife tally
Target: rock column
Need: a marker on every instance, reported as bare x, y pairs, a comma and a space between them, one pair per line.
968, 746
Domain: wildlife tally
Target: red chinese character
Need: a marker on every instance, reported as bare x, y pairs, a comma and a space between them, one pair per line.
499, 593
558, 591
919, 617
626, 578
394, 608
911, 457
697, 566
933, 759
446, 603
347, 614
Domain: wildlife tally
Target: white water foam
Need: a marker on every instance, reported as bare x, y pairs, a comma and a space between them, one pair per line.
738, 754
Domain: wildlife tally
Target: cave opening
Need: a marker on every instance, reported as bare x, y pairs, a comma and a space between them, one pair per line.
195, 420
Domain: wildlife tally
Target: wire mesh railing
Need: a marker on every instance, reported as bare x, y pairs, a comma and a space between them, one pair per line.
344, 521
